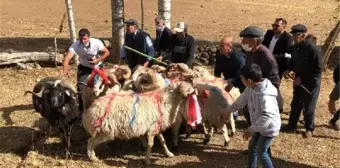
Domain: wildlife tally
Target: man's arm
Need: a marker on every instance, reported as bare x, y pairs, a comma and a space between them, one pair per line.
218, 65
191, 52
103, 51
333, 97
150, 50
317, 59
71, 51
240, 62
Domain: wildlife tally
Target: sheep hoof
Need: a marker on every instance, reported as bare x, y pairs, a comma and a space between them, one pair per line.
93, 158
206, 141
170, 155
226, 143
232, 134
187, 136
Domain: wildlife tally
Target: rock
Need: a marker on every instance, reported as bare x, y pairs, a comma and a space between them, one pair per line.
204, 55
36, 66
213, 49
23, 66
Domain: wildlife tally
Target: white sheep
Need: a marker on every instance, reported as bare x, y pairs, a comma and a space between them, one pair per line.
134, 115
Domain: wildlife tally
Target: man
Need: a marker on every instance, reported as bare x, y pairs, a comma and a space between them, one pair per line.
182, 46
259, 54
306, 65
278, 41
91, 53
163, 36
138, 40
229, 62
334, 96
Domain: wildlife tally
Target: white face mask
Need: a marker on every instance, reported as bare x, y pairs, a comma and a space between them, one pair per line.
246, 47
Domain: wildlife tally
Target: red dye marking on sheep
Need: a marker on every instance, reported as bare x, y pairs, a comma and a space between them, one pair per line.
155, 94
101, 73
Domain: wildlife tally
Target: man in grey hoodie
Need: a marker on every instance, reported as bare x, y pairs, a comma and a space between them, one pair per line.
260, 96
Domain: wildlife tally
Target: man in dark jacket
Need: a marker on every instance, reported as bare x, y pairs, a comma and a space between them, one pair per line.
278, 41
229, 62
259, 54
306, 65
138, 40
163, 35
182, 46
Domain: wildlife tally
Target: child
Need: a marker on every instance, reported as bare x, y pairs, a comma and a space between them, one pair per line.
260, 96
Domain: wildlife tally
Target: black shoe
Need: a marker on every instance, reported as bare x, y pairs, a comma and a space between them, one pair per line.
288, 129
334, 125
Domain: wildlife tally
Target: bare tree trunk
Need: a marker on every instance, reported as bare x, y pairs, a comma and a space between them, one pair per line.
142, 13
71, 26
330, 44
164, 8
20, 57
117, 9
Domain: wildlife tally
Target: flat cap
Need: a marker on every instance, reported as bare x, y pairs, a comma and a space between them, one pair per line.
131, 22
298, 29
252, 32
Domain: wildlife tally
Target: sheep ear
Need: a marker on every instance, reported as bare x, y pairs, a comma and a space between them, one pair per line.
68, 93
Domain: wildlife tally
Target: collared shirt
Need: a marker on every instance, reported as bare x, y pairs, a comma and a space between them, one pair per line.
149, 47
87, 52
272, 44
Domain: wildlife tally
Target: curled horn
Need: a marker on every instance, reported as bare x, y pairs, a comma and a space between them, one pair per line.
151, 80
39, 94
126, 71
56, 83
113, 79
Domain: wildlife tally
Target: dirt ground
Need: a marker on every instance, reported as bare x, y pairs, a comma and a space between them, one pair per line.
30, 26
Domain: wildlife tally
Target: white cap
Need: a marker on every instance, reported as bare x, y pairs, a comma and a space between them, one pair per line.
180, 27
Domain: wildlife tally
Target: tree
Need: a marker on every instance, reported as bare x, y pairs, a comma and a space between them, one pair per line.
71, 26
142, 13
117, 9
164, 8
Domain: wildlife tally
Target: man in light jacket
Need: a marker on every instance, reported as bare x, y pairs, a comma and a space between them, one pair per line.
260, 96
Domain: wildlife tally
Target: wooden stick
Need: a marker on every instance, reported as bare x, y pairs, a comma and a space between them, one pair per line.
303, 87
144, 55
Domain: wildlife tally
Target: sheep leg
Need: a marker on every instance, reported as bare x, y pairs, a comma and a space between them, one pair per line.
174, 131
188, 130
148, 153
225, 135
163, 143
91, 145
232, 125
209, 134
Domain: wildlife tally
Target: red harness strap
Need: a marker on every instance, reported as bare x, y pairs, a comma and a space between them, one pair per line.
101, 73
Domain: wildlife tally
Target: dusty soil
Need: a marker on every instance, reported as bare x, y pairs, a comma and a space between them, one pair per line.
30, 26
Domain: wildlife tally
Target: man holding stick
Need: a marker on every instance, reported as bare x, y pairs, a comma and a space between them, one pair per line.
306, 67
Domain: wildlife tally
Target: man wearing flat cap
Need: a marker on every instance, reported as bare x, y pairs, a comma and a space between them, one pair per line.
256, 53
138, 40
306, 68
182, 46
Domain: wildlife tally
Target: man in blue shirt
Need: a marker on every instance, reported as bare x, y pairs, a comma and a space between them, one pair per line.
138, 40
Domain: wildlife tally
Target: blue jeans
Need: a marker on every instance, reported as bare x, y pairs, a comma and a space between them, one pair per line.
258, 147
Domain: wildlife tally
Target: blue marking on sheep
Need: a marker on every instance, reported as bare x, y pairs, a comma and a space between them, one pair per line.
134, 110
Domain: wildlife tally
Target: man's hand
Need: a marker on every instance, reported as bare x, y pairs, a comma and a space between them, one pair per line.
65, 72
289, 73
246, 134
146, 64
228, 87
331, 106
94, 61
297, 81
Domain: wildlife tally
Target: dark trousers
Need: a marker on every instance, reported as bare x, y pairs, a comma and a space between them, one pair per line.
83, 73
336, 116
303, 101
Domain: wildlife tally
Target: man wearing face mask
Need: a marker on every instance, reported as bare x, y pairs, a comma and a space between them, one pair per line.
256, 53
306, 68
163, 35
278, 41
182, 46
138, 40
91, 53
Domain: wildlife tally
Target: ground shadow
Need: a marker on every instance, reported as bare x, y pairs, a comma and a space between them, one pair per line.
6, 112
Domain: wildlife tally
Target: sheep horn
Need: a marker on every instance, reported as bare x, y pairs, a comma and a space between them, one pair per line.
56, 83
151, 79
126, 71
113, 79
36, 94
